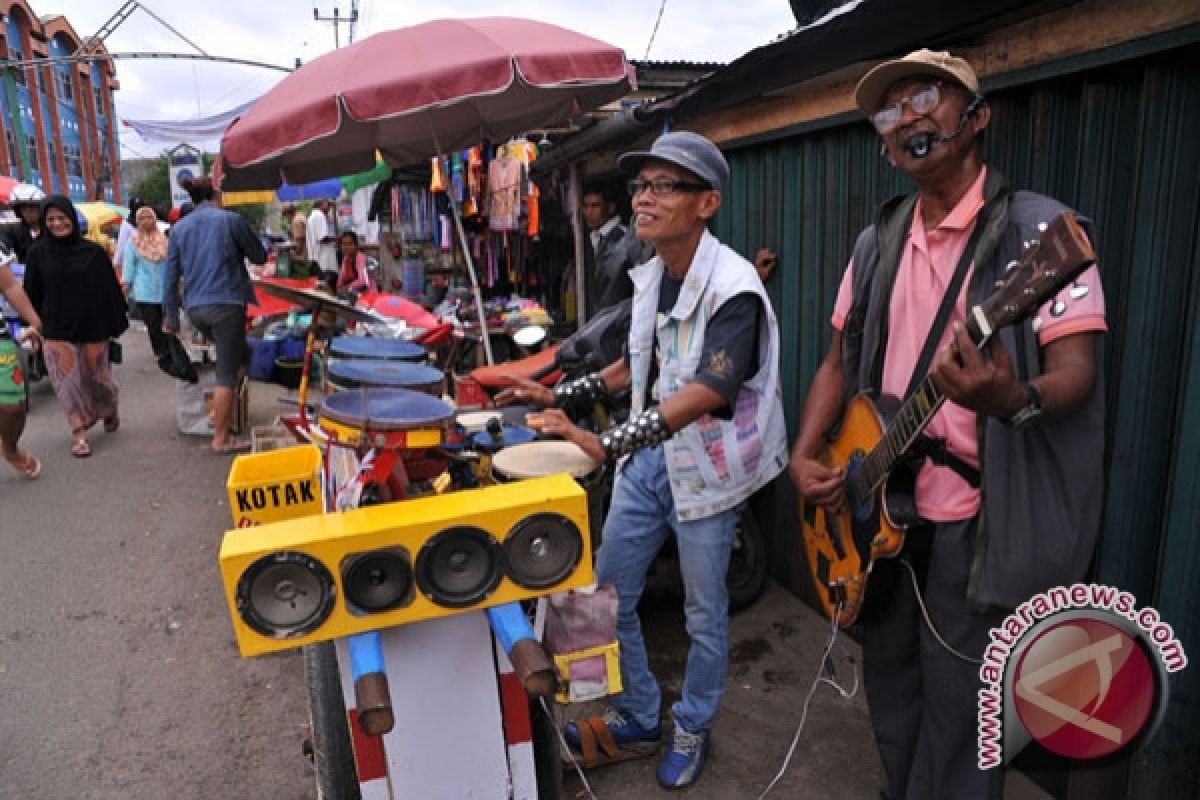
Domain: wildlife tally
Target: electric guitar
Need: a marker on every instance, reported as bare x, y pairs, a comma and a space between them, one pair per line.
842, 547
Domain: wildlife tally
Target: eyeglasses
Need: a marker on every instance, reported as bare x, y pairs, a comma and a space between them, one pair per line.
888, 119
664, 187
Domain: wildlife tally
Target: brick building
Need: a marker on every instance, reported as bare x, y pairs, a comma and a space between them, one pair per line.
59, 119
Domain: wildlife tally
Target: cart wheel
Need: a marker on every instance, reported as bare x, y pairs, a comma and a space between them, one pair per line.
333, 755
547, 757
746, 577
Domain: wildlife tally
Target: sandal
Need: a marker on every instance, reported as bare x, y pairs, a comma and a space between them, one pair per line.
26, 464
596, 742
112, 423
232, 446
81, 447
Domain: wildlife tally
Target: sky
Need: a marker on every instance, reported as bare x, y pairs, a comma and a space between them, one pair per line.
280, 31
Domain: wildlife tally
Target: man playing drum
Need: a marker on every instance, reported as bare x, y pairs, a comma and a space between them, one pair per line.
706, 430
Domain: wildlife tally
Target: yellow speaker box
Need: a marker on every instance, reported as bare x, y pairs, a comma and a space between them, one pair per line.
308, 580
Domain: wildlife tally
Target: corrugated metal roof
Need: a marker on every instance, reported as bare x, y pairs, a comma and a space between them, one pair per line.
696, 65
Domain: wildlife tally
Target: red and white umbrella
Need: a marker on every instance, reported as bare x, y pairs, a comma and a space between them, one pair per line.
7, 185
453, 81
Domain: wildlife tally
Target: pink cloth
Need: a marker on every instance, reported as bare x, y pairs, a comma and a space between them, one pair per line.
354, 276
927, 264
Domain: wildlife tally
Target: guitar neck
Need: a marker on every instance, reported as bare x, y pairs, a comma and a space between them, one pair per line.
902, 431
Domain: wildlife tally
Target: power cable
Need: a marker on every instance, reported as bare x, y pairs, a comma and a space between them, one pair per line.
826, 666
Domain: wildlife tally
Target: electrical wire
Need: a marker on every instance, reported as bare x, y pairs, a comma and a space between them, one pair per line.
562, 743
821, 677
929, 622
662, 7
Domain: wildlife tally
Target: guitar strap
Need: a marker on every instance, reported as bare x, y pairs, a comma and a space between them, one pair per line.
948, 301
935, 449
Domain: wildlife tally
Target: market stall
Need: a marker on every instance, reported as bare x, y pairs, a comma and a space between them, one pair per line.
462, 84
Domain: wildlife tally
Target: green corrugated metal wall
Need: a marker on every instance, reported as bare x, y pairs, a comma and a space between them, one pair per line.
1120, 143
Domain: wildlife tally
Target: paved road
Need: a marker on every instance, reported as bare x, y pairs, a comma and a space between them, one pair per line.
119, 677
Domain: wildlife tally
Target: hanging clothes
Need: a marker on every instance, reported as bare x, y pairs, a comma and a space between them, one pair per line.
504, 192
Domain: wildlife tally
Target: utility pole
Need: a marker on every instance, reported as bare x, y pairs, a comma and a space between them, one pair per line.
337, 20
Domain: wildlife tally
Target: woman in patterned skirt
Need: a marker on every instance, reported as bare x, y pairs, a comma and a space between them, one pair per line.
73, 286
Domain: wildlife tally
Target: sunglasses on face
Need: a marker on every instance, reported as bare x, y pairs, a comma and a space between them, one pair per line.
888, 119
664, 187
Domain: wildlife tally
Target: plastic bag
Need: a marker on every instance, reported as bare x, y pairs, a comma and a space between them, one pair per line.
191, 417
579, 620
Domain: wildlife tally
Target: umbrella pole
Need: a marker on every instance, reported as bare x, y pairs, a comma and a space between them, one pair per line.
462, 240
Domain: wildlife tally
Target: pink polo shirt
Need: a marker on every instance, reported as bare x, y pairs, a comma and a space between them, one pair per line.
927, 264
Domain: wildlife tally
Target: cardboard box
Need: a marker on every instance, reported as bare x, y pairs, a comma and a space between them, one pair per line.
270, 437
241, 407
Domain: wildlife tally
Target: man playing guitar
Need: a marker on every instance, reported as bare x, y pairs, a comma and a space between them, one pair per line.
1011, 488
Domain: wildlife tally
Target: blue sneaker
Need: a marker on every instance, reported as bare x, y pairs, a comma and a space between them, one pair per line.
623, 727
683, 761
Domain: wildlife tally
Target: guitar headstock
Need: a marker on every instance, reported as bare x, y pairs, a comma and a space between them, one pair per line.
1047, 264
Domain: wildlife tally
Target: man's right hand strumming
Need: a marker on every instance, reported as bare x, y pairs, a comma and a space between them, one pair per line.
816, 482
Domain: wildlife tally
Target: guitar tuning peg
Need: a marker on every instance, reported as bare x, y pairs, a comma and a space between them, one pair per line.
1042, 227
1000, 284
1011, 265
1036, 323
1035, 242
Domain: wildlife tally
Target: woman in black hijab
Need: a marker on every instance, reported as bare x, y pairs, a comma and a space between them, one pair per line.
73, 286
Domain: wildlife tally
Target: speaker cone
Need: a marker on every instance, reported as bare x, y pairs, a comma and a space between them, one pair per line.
285, 594
542, 550
458, 567
377, 581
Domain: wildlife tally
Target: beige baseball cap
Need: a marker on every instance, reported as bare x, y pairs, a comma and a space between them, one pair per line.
874, 85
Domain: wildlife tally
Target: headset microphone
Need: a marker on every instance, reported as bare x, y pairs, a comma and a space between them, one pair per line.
920, 145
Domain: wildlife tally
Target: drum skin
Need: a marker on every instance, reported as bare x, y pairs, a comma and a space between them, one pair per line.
350, 347
358, 372
386, 409
538, 459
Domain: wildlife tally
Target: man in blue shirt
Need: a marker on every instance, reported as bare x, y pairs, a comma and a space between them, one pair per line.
208, 250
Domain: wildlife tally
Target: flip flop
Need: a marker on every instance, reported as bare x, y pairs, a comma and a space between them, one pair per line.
598, 748
29, 466
233, 446
81, 448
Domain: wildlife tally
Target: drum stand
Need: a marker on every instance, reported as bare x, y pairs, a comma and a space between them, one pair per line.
465, 730
464, 708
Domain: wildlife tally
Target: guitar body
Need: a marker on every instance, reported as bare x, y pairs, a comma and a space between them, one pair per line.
842, 547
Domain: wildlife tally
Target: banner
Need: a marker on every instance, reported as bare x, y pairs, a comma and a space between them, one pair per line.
183, 165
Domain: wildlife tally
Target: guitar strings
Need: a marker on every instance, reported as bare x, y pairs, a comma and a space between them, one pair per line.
821, 677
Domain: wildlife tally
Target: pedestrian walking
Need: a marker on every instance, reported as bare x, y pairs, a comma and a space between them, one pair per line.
12, 382
73, 287
145, 259
207, 252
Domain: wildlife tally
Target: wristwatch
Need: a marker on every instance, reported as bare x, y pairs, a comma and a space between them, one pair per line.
1031, 411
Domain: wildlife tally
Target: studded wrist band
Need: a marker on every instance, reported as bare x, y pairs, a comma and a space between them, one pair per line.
645, 430
577, 397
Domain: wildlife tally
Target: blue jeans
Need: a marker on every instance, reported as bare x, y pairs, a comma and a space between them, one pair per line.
641, 517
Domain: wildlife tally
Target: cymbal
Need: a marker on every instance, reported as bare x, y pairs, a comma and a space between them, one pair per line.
316, 301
